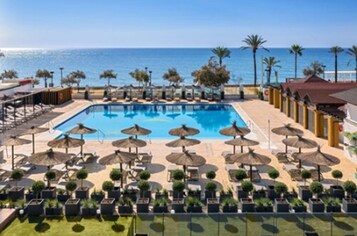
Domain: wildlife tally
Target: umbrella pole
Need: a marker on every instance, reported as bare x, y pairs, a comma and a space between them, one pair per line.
241, 149
33, 143
82, 145
121, 179
66, 150
184, 171
251, 172
12, 157
286, 146
318, 173
299, 159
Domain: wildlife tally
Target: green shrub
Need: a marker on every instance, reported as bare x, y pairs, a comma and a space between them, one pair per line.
273, 173
108, 186
337, 174
38, 186
81, 175
144, 185
145, 175
296, 202
240, 175
178, 186
211, 174
229, 202
178, 175
280, 188
350, 187
71, 186
50, 175
211, 186
305, 174
331, 201
17, 175
316, 188
115, 175
247, 186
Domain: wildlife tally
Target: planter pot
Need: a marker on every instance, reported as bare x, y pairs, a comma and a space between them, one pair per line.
178, 205
230, 209
125, 210
281, 205
223, 196
241, 194
304, 193
107, 206
72, 207
259, 194
299, 208
82, 193
132, 196
194, 209
159, 196
247, 205
63, 197
330, 208
210, 194
89, 211
160, 209
3, 196
316, 205
146, 194
271, 194
53, 211
16, 193
114, 194
48, 193
35, 207
177, 195
194, 194
28, 196
212, 205
337, 191
349, 205
290, 195
142, 205
97, 197
264, 208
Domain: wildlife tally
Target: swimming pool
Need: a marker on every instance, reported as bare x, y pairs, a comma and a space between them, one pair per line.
159, 118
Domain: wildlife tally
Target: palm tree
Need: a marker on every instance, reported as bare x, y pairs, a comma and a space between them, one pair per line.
270, 63
221, 53
336, 50
108, 74
9, 74
296, 49
353, 52
77, 75
43, 74
254, 42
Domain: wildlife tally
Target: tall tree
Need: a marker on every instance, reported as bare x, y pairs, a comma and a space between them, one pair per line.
9, 74
172, 76
254, 42
315, 68
43, 74
353, 52
296, 49
77, 75
69, 80
270, 63
140, 76
108, 74
221, 53
212, 74
336, 50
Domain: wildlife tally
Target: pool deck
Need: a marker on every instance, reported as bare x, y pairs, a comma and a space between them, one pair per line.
256, 114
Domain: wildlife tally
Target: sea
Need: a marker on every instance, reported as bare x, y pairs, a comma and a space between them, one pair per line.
124, 60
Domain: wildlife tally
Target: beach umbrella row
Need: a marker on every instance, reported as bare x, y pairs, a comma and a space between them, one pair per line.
81, 130
235, 131
32, 131
287, 130
15, 141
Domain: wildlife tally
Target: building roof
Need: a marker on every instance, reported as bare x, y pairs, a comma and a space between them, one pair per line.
308, 79
349, 96
321, 97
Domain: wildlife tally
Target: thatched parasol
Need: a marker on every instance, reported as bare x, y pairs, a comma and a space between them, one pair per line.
49, 158
250, 158
81, 129
234, 130
136, 130
129, 143
34, 130
66, 142
15, 141
242, 142
183, 131
286, 131
318, 158
183, 142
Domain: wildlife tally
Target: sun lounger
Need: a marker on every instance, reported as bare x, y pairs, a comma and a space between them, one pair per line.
145, 158
295, 173
282, 157
192, 173
189, 97
197, 97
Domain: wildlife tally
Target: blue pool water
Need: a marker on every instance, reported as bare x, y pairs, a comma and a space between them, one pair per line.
160, 118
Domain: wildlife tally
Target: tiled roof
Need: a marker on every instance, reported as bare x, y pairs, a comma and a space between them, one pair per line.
349, 96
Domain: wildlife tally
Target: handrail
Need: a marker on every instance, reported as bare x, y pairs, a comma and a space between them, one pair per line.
99, 131
50, 125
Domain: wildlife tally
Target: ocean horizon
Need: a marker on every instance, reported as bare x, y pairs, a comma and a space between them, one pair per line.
26, 61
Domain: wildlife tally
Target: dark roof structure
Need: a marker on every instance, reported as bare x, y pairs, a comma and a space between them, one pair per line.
349, 96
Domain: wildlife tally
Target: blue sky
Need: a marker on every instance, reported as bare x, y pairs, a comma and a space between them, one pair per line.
175, 23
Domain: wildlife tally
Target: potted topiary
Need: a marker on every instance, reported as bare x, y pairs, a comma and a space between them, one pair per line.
210, 190
298, 205
125, 206
304, 190
178, 187
229, 205
227, 194
108, 186
336, 190
263, 205
315, 204
194, 205
62, 195
161, 194
145, 175
97, 196
82, 192
72, 207
89, 207
107, 206
246, 204
142, 204
260, 193
281, 204
115, 175
178, 175
273, 174
332, 204
35, 206
16, 192
240, 175
53, 208
130, 193
160, 205
70, 187
49, 192
349, 204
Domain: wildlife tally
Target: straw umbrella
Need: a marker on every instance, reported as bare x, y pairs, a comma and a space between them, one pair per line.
318, 158
66, 142
136, 130
250, 158
129, 143
81, 129
49, 158
183, 131
34, 130
300, 142
242, 142
183, 142
286, 131
15, 141
118, 157
234, 131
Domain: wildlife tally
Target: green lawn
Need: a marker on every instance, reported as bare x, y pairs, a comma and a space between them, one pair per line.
69, 226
